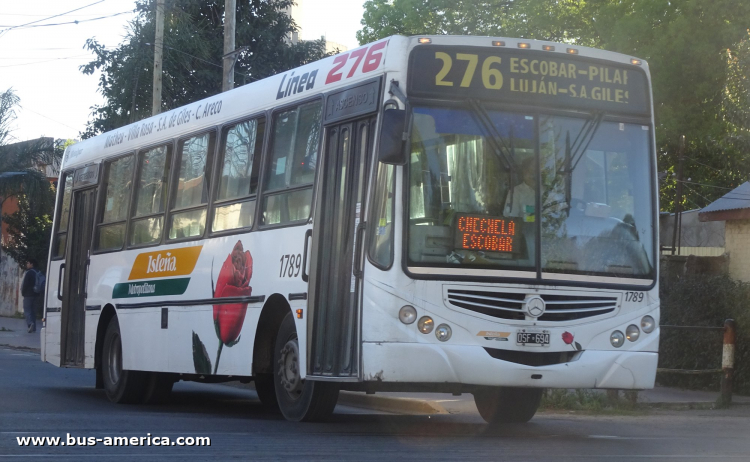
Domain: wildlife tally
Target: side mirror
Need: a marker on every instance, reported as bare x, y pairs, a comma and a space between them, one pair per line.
391, 143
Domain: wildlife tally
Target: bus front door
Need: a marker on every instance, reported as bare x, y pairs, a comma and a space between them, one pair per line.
338, 237
72, 333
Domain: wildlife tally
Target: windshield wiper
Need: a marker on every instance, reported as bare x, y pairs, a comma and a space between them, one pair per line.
502, 150
496, 140
574, 152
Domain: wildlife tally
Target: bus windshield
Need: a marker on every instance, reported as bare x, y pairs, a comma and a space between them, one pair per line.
483, 184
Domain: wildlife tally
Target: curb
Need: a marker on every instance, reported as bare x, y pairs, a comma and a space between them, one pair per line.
21, 348
389, 404
690, 406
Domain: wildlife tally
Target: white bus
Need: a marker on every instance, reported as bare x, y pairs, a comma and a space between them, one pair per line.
444, 214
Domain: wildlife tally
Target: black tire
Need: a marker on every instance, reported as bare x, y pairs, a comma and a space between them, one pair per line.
507, 405
266, 390
158, 388
121, 386
299, 400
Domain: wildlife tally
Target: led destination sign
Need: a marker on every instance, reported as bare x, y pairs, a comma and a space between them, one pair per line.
480, 232
528, 77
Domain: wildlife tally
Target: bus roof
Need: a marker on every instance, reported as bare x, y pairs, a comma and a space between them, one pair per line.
387, 55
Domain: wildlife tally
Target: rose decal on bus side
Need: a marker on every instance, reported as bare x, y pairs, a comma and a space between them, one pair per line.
569, 339
233, 281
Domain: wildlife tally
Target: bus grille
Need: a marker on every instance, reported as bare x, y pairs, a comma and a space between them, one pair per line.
505, 305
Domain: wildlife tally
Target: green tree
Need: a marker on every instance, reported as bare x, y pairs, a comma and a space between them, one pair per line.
30, 228
684, 42
736, 96
22, 164
22, 175
192, 65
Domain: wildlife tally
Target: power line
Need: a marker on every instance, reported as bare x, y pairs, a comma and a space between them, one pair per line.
38, 15
706, 185
45, 61
77, 21
737, 195
207, 62
49, 118
701, 163
699, 194
50, 17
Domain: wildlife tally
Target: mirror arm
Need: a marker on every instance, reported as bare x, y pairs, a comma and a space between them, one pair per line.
395, 91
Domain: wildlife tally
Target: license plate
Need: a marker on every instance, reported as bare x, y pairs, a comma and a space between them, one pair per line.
528, 337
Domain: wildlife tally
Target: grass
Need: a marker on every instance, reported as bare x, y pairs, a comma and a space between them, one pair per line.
590, 401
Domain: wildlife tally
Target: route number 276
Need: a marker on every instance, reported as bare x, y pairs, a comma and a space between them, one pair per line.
290, 265
371, 56
492, 78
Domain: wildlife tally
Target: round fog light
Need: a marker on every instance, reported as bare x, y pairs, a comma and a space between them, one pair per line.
407, 314
632, 332
648, 324
425, 324
443, 332
617, 339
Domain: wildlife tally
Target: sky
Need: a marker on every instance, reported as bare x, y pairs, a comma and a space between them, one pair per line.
42, 63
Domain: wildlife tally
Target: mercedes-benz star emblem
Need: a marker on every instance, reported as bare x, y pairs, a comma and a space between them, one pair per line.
535, 307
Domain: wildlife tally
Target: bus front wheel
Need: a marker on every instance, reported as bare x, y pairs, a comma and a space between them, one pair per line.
121, 386
499, 405
299, 400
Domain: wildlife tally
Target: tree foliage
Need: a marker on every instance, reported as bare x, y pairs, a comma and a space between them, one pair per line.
22, 164
8, 103
192, 63
684, 41
22, 175
736, 97
30, 227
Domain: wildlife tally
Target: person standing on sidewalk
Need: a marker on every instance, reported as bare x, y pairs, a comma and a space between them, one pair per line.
29, 294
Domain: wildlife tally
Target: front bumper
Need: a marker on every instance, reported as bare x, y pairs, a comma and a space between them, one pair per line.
472, 365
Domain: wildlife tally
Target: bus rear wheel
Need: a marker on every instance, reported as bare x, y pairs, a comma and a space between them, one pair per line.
121, 386
299, 400
507, 405
158, 387
265, 388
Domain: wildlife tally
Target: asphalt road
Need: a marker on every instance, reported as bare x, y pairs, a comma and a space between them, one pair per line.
37, 399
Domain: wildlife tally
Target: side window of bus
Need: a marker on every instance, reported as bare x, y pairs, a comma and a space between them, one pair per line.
190, 203
239, 165
291, 167
61, 234
381, 229
150, 196
118, 177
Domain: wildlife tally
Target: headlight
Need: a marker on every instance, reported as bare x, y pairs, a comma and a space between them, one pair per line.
443, 332
425, 324
617, 339
632, 332
407, 314
648, 324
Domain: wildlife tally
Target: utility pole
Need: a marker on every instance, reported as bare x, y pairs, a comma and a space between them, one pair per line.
678, 203
230, 58
158, 48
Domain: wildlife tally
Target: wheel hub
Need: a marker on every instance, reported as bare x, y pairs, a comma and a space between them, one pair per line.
289, 374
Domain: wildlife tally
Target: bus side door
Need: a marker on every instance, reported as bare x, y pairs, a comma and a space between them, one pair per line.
73, 323
338, 238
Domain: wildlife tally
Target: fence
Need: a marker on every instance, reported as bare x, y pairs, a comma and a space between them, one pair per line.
727, 358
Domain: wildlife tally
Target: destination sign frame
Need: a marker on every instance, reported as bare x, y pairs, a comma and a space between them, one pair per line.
486, 233
528, 77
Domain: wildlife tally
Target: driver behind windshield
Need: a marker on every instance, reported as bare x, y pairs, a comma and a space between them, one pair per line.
522, 199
